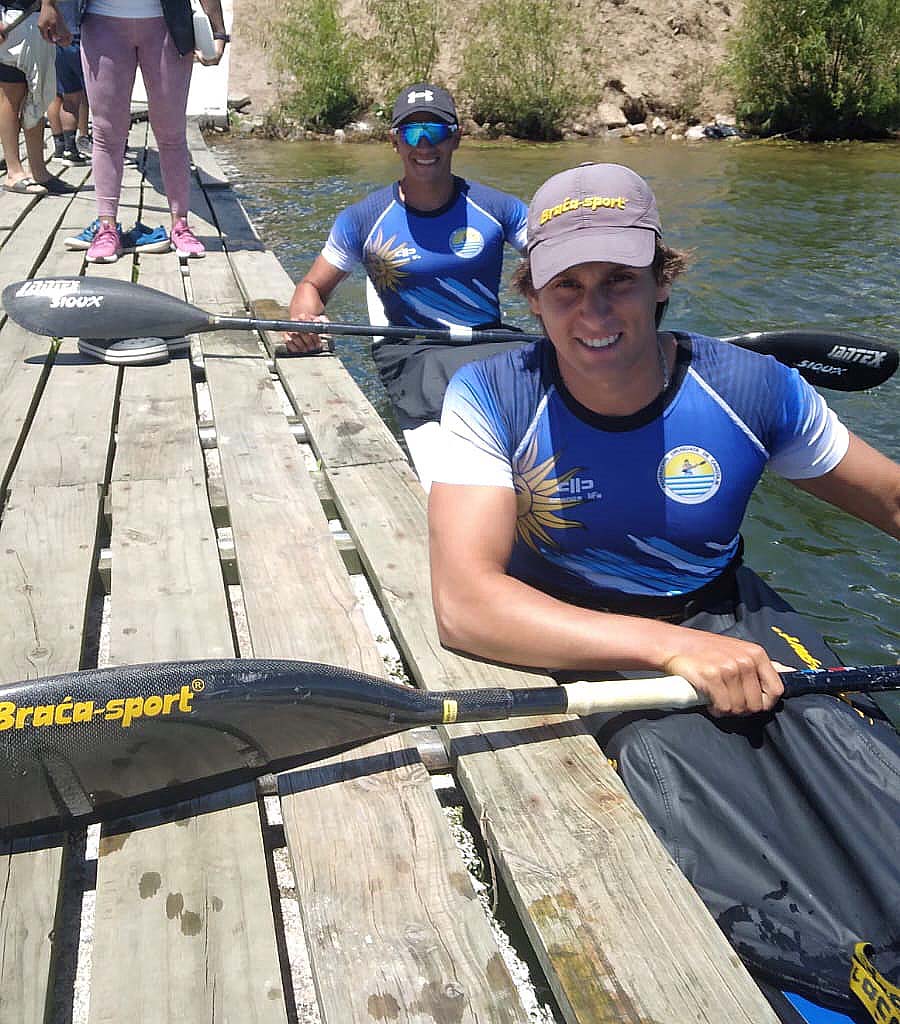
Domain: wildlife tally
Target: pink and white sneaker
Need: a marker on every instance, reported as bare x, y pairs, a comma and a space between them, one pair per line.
185, 242
106, 246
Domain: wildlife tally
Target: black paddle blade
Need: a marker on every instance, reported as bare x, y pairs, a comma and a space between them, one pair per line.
99, 744
838, 360
93, 307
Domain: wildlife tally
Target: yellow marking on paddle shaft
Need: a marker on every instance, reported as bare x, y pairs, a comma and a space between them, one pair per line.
797, 647
451, 709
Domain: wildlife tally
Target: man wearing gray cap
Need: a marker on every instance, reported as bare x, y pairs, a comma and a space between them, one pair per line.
585, 515
432, 247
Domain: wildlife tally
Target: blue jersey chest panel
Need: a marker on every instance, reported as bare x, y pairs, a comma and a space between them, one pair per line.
432, 269
653, 510
651, 505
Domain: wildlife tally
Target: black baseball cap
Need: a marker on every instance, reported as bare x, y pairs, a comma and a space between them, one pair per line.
423, 97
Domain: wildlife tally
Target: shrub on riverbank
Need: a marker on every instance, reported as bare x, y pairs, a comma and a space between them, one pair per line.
323, 59
824, 69
515, 70
404, 45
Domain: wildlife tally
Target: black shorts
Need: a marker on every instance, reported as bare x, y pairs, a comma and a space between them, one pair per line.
10, 74
416, 374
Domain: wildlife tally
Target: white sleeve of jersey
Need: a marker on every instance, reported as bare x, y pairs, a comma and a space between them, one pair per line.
818, 446
469, 450
342, 248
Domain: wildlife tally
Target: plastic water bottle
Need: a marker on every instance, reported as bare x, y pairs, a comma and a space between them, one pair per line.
204, 43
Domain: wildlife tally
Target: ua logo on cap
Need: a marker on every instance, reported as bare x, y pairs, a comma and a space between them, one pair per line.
427, 95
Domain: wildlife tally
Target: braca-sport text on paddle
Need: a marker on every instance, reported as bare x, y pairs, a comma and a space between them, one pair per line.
103, 743
94, 307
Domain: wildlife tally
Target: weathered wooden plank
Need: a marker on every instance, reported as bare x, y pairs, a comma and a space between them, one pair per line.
14, 207
382, 897
207, 167
167, 588
30, 872
157, 437
280, 533
267, 287
183, 901
74, 435
48, 549
47, 546
189, 897
420, 944
619, 931
238, 233
214, 287
343, 428
23, 369
262, 278
49, 541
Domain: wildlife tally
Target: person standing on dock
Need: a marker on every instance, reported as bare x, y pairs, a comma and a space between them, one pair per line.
432, 247
27, 86
156, 36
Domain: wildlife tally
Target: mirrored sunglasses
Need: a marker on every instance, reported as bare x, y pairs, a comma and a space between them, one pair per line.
414, 132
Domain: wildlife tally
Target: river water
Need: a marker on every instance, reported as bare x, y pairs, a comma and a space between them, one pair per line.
785, 235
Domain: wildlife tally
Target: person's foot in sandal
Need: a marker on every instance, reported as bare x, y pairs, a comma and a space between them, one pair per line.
57, 187
26, 187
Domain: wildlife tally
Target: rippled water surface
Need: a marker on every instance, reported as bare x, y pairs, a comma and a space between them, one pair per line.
785, 235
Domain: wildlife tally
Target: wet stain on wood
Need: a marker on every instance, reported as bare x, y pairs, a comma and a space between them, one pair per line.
149, 884
383, 1007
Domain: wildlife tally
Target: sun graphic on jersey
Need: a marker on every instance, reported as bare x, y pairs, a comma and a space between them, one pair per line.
383, 260
537, 500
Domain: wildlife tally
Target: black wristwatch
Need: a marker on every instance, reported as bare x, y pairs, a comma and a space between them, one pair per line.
222, 35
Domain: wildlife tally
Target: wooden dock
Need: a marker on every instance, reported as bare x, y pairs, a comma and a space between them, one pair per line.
182, 511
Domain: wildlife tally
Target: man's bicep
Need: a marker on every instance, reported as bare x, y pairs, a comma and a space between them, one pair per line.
471, 528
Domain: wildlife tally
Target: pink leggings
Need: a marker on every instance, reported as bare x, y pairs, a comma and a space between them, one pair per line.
111, 51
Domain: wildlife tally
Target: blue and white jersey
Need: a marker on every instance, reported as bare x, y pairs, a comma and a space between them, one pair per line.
649, 504
431, 269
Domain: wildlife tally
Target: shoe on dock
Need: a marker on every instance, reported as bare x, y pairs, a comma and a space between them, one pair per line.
127, 351
140, 238
106, 246
83, 239
185, 242
72, 158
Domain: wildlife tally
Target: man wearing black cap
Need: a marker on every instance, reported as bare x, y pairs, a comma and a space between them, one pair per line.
432, 247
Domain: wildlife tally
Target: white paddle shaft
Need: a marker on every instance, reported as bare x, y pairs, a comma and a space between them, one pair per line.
587, 698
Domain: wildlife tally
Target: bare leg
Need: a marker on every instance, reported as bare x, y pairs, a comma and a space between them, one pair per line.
34, 147
12, 95
53, 115
71, 106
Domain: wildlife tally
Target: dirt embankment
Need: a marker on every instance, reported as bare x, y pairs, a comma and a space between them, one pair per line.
650, 56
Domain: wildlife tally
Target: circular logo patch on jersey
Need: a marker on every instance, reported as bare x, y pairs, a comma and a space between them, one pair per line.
467, 242
689, 475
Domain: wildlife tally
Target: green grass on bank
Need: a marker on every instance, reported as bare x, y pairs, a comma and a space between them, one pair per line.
823, 69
